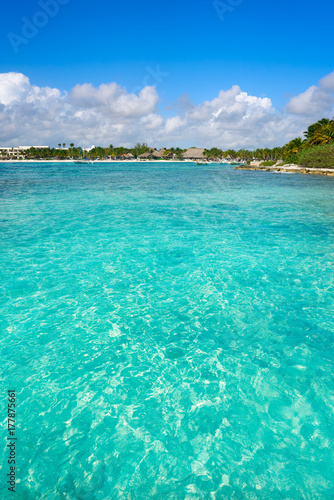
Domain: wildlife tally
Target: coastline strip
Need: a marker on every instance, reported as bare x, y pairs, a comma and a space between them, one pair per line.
291, 169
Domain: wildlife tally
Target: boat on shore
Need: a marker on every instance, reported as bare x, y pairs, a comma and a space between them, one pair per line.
82, 160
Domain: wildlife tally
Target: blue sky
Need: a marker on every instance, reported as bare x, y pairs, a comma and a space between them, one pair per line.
269, 49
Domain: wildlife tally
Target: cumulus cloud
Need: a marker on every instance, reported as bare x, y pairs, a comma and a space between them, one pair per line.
316, 100
113, 100
110, 114
15, 88
41, 115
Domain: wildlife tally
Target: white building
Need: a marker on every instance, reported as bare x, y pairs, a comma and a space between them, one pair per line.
18, 151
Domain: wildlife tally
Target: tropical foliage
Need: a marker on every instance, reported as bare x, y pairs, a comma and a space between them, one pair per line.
269, 163
173, 153
317, 156
213, 153
301, 151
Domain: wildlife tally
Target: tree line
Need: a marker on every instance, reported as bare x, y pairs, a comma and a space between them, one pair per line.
317, 135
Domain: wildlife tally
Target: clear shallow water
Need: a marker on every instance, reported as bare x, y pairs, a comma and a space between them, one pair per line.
168, 330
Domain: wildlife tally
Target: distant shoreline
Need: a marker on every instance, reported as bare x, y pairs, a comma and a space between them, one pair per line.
99, 161
289, 169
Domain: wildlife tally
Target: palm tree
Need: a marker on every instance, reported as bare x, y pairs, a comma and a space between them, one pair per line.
324, 134
59, 145
309, 133
71, 145
291, 149
64, 145
295, 145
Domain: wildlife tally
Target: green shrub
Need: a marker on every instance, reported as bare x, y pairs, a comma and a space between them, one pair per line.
269, 163
317, 157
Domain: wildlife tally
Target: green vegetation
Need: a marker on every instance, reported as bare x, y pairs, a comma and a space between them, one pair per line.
316, 149
213, 153
269, 163
173, 153
139, 149
317, 157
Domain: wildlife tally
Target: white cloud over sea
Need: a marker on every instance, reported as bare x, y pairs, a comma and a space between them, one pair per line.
30, 114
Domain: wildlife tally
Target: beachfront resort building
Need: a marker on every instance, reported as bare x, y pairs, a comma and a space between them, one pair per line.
18, 152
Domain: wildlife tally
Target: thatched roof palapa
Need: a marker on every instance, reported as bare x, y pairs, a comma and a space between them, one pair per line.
194, 154
158, 154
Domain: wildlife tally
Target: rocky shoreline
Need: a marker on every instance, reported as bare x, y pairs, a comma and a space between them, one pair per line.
291, 169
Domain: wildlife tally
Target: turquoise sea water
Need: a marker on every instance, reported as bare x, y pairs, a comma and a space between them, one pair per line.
168, 329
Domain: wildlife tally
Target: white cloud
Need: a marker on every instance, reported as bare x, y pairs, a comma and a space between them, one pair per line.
13, 87
152, 122
33, 115
316, 101
110, 114
327, 82
114, 100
